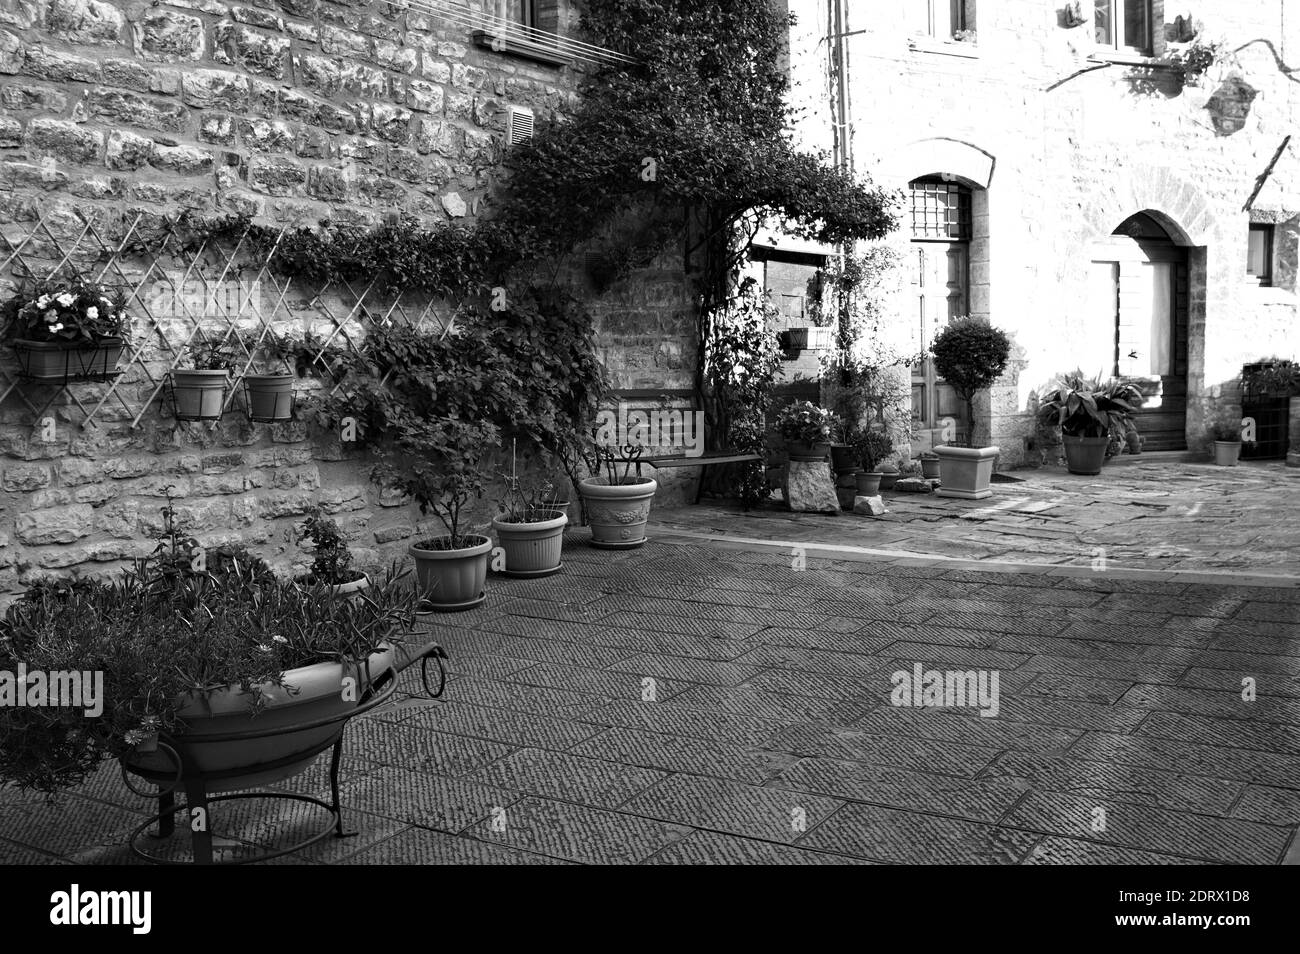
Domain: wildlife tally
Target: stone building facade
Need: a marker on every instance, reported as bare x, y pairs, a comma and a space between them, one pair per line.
294, 112
1062, 178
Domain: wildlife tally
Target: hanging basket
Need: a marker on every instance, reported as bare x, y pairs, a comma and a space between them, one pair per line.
269, 397
198, 395
64, 361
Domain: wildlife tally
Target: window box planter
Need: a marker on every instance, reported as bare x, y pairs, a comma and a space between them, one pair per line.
810, 338
965, 472
68, 361
270, 397
199, 395
802, 450
532, 548
618, 513
451, 580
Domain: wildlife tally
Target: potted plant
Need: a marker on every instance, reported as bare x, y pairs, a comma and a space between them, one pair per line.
531, 534
268, 384
807, 430
1087, 414
331, 563
187, 654
929, 462
888, 476
616, 501
970, 355
1225, 430
199, 392
871, 448
66, 331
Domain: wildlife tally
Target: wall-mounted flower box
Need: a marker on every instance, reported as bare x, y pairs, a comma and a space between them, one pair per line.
68, 361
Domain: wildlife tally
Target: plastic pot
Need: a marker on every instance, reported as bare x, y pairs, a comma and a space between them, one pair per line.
451, 580
965, 472
929, 467
66, 361
270, 396
801, 450
199, 395
531, 549
869, 483
1226, 453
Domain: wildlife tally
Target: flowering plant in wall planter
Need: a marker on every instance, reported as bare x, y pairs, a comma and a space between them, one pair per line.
807, 429
66, 330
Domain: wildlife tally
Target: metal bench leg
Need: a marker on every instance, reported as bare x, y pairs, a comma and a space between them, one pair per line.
699, 487
167, 823
199, 815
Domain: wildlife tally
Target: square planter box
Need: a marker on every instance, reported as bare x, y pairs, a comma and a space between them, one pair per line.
810, 338
965, 472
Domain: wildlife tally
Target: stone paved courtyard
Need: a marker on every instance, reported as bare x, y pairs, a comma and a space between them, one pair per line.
771, 738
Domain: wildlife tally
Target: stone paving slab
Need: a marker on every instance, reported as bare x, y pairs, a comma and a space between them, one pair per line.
772, 738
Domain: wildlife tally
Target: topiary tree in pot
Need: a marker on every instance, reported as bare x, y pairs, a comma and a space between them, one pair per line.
970, 355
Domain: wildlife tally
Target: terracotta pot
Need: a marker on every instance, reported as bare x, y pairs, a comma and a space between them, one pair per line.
66, 361
531, 549
843, 459
965, 472
888, 478
451, 580
800, 450
618, 513
929, 467
1226, 453
869, 483
1084, 455
316, 695
270, 396
199, 395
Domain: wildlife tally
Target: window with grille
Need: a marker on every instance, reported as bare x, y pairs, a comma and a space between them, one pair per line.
522, 12
940, 210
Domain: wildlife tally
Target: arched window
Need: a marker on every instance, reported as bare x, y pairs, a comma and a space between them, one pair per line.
940, 210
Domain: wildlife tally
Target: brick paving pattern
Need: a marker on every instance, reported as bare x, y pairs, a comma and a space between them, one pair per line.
770, 737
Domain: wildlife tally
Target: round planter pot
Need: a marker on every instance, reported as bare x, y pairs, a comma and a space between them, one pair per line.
532, 549
843, 458
869, 484
1084, 455
310, 693
451, 580
199, 395
965, 472
618, 513
929, 467
1226, 453
356, 586
888, 478
799, 450
63, 361
270, 396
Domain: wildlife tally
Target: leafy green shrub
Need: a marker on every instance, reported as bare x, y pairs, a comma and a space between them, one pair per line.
805, 423
970, 355
1082, 407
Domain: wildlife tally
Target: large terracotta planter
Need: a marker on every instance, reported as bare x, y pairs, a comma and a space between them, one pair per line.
532, 549
1084, 455
199, 395
310, 693
270, 396
965, 472
1226, 453
65, 361
618, 513
451, 580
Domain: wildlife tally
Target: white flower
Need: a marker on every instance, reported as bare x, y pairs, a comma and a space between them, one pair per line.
56, 327
66, 299
43, 301
92, 313
106, 301
279, 639
263, 648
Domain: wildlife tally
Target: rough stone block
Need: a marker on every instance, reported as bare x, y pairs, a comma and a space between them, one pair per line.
869, 506
23, 478
205, 89
808, 487
185, 160
256, 52
84, 22
61, 67
62, 525
168, 36
392, 123
127, 151
133, 110
62, 140
276, 175
913, 485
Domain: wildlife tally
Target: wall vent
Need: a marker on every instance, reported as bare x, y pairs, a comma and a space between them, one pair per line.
519, 125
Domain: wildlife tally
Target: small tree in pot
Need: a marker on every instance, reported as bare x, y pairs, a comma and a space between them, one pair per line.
871, 448
970, 355
331, 563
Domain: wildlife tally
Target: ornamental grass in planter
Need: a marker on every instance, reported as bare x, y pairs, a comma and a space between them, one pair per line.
185, 653
66, 331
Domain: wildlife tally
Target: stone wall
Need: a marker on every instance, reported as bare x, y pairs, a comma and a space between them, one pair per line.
295, 112
1062, 142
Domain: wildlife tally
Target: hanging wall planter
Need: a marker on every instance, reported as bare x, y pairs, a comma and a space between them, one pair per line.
269, 397
65, 361
199, 395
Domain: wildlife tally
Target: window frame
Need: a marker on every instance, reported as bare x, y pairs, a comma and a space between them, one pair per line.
1265, 278
1118, 10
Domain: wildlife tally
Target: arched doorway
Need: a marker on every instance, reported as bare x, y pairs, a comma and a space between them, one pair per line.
1139, 307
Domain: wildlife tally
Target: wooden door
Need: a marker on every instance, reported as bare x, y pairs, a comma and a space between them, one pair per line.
940, 292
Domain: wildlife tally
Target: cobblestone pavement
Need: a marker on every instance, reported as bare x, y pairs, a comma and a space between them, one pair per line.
1154, 515
767, 733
